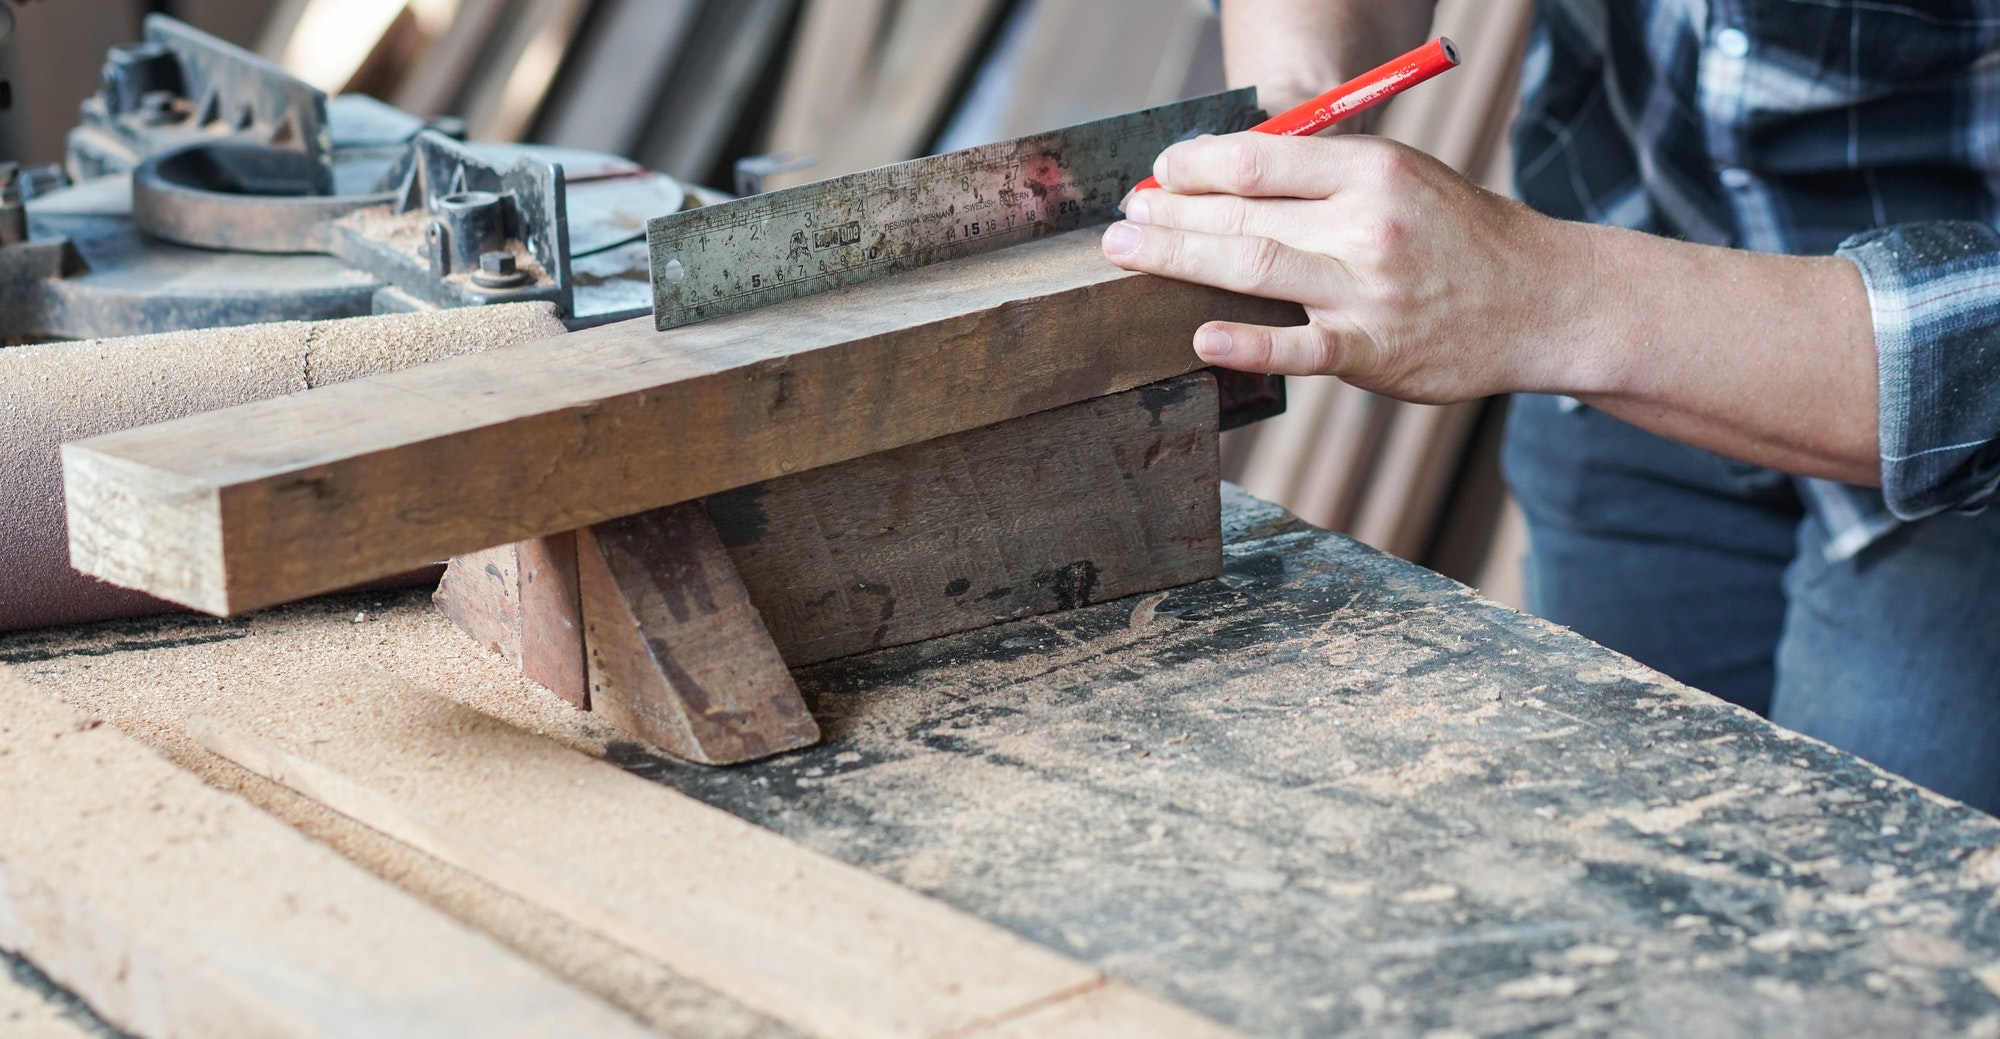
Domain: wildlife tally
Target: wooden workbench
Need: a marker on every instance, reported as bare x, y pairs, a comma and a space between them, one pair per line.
1328, 792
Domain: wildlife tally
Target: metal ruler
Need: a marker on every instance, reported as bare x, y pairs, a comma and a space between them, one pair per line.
740, 255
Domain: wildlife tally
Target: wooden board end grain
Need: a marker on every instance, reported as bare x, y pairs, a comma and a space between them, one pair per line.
175, 909
283, 499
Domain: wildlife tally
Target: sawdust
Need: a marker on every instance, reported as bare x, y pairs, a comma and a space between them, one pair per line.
53, 393
1668, 818
167, 668
1144, 795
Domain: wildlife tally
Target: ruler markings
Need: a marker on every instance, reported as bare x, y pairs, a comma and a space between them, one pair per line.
736, 256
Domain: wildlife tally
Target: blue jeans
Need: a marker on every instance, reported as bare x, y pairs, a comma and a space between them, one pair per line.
1715, 573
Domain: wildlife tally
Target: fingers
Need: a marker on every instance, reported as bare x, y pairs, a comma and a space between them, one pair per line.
1267, 166
1251, 265
1292, 221
1309, 349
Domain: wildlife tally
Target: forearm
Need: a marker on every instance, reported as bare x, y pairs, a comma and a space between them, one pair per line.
1769, 359
1422, 286
1294, 50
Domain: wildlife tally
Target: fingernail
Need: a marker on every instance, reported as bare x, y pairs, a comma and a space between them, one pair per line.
1121, 238
1136, 209
1214, 342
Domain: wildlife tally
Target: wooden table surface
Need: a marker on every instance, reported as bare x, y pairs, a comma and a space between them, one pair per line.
1332, 793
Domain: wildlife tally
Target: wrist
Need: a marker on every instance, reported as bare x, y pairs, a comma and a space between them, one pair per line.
1572, 291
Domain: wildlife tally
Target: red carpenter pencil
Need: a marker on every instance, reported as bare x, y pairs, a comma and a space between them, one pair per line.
1357, 95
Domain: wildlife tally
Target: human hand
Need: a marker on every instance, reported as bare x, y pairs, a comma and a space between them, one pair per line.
1416, 283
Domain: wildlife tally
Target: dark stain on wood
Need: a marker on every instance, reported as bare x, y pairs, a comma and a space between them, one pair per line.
739, 515
1160, 396
1072, 585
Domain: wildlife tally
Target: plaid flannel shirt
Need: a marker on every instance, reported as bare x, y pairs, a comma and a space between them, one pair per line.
1865, 128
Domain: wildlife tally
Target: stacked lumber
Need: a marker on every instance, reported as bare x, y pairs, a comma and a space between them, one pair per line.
669, 82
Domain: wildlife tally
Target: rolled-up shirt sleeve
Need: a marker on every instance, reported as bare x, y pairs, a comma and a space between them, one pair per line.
1934, 289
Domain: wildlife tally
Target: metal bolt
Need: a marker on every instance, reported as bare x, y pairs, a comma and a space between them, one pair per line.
498, 270
157, 106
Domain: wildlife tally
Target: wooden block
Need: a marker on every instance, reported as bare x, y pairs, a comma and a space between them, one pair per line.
1111, 497
677, 654
825, 947
520, 601
283, 499
177, 910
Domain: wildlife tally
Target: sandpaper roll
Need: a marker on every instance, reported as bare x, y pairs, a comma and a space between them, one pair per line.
52, 393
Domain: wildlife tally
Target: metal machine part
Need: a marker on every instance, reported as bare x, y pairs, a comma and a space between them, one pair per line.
213, 188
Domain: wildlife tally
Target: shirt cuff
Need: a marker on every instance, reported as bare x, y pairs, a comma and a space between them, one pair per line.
1934, 290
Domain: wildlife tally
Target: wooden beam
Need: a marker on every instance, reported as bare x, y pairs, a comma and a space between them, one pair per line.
822, 946
175, 909
1109, 497
282, 499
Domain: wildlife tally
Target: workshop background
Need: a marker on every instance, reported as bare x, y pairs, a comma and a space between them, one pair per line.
690, 87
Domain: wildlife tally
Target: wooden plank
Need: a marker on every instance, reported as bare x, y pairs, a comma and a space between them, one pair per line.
1110, 497
333, 42
506, 96
1076, 60
281, 499
175, 909
825, 73
869, 83
1340, 465
823, 946
677, 654
613, 78
705, 98
521, 601
1419, 458
437, 81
